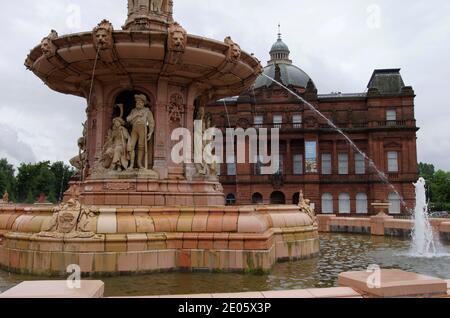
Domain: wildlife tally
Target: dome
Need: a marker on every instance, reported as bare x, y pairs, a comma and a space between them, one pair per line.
290, 75
279, 45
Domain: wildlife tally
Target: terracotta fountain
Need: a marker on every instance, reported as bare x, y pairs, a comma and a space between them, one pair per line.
132, 209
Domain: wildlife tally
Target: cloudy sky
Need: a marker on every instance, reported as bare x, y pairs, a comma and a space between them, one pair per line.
338, 43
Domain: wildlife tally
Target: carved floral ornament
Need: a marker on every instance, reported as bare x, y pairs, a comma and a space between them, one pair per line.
176, 108
103, 35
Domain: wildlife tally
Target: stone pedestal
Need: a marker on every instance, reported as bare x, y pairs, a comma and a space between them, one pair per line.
377, 222
56, 289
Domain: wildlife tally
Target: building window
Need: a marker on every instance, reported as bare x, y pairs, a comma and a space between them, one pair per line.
298, 164
231, 166
393, 161
277, 121
277, 198
231, 199
344, 203
258, 121
395, 202
343, 163
326, 163
360, 164
327, 203
362, 203
297, 121
391, 117
257, 198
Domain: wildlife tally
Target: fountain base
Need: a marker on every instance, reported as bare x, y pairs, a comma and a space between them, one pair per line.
126, 241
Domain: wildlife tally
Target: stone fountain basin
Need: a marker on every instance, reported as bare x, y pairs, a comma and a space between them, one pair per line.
137, 240
140, 56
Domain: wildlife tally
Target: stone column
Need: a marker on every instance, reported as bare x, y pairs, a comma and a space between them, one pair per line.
161, 153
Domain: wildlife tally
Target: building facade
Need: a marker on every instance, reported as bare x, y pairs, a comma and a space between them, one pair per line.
314, 157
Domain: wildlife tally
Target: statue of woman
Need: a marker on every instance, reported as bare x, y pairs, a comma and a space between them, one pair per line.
116, 156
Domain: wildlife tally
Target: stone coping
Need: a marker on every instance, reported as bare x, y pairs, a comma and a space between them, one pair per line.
394, 283
336, 292
56, 289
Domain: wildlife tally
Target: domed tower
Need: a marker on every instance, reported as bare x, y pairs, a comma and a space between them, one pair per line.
281, 68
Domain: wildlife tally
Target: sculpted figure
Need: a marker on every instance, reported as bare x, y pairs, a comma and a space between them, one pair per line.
305, 207
143, 128
103, 38
5, 198
209, 165
234, 50
156, 5
79, 162
47, 46
66, 221
116, 156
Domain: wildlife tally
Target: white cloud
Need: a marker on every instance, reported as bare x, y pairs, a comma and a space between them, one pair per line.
330, 40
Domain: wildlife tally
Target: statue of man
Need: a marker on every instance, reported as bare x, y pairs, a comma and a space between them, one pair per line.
143, 128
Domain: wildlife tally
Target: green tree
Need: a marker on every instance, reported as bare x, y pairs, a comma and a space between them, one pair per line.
62, 174
7, 179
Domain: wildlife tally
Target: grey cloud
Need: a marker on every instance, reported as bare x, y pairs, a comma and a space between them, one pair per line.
14, 149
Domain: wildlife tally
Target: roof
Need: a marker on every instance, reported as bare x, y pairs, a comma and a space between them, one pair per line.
386, 81
290, 75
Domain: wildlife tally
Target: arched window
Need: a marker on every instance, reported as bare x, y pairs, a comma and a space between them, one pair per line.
257, 198
395, 202
278, 198
231, 199
344, 203
327, 203
361, 203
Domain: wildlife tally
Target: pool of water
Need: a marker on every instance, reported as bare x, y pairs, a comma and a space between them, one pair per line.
339, 253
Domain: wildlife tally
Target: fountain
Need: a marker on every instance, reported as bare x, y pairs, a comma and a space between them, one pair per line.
424, 242
134, 209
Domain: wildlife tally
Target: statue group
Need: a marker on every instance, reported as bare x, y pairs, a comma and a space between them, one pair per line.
126, 150
145, 6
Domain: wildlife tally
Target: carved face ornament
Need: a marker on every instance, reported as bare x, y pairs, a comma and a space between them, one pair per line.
102, 38
235, 51
178, 40
47, 46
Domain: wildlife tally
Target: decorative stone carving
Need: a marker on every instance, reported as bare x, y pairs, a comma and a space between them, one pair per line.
5, 198
143, 128
176, 43
305, 207
120, 186
116, 156
79, 162
156, 6
29, 62
71, 220
47, 46
234, 50
176, 108
208, 168
103, 35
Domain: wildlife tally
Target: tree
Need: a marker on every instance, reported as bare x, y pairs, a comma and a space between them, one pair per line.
7, 179
63, 174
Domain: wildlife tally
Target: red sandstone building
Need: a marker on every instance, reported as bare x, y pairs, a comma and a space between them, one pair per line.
314, 157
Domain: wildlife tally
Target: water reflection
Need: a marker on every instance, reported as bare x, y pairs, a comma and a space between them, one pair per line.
339, 253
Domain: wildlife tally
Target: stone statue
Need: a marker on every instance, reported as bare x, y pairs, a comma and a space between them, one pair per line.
116, 156
103, 35
79, 162
47, 46
143, 128
234, 50
156, 6
71, 220
5, 198
208, 168
305, 207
